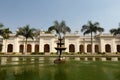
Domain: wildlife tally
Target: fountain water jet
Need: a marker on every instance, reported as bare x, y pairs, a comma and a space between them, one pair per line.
59, 49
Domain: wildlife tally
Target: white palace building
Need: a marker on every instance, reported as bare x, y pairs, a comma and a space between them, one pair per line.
73, 43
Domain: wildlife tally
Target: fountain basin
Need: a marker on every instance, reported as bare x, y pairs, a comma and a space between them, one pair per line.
60, 48
60, 43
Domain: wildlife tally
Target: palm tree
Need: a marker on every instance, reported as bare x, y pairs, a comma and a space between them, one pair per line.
1, 28
6, 34
91, 28
1, 31
60, 29
26, 32
115, 31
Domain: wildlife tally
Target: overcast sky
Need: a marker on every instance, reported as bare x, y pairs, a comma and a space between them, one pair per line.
41, 14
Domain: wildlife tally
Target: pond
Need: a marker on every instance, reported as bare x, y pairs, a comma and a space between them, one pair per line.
71, 70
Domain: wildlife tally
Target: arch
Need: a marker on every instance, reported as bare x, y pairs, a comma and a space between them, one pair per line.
36, 48
10, 48
21, 48
81, 48
29, 47
96, 48
1, 47
46, 48
71, 48
89, 48
107, 48
118, 48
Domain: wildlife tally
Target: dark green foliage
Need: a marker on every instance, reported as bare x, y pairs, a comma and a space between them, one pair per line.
115, 31
79, 52
102, 53
2, 53
66, 53
37, 53
60, 28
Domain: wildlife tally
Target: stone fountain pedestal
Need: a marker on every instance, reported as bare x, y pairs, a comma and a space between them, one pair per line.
59, 49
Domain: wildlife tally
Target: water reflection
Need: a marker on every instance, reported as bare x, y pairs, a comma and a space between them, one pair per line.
73, 70
60, 72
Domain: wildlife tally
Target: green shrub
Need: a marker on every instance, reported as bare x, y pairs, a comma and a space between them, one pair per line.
103, 53
53, 53
85, 53
79, 52
99, 52
33, 53
66, 53
2, 53
117, 53
72, 53
41, 53
37, 53
14, 53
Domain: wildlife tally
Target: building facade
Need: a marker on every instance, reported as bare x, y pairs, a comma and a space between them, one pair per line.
73, 43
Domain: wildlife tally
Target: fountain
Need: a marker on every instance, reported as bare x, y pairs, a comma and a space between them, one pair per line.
59, 49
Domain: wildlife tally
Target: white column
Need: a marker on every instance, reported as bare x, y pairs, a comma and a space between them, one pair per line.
16, 45
3, 47
77, 46
113, 46
41, 45
66, 45
85, 48
33, 47
93, 48
102, 46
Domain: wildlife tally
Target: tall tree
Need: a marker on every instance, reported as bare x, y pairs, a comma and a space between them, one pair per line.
1, 28
91, 28
6, 34
60, 28
1, 31
115, 31
26, 32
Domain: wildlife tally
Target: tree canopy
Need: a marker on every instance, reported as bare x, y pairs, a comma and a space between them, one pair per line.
60, 28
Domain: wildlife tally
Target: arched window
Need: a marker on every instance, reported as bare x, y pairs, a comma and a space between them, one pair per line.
71, 48
81, 48
36, 48
21, 48
118, 48
96, 48
29, 47
46, 48
107, 48
89, 48
1, 47
10, 48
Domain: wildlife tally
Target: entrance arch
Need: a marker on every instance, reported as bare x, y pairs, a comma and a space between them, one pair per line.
36, 48
46, 48
21, 48
107, 48
118, 48
10, 48
29, 47
89, 48
81, 48
96, 48
71, 48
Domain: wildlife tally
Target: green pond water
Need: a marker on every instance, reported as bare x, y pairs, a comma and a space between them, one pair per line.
71, 70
